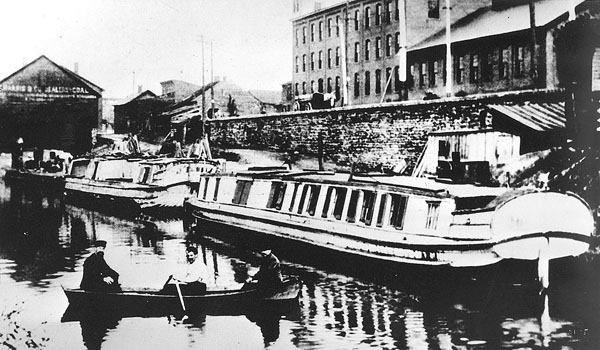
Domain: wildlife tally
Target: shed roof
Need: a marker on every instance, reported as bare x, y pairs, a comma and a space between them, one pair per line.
536, 116
486, 22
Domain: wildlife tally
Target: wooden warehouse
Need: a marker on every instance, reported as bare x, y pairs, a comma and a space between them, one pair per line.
48, 106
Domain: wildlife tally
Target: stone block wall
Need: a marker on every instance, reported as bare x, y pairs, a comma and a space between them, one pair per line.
376, 135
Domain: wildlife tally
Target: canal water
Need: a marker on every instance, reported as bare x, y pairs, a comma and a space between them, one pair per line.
345, 303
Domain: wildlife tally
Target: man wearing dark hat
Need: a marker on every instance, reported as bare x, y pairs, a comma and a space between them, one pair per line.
97, 275
269, 273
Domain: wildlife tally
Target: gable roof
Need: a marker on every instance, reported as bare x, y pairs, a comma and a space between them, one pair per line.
486, 22
91, 86
136, 96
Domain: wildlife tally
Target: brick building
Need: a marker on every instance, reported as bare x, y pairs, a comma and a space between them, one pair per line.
372, 34
49, 106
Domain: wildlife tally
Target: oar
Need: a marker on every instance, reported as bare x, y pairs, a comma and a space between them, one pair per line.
180, 296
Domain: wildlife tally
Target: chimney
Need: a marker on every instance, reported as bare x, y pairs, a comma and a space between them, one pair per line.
139, 89
317, 6
76, 68
24, 61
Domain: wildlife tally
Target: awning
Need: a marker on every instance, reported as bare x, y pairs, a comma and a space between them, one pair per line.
537, 116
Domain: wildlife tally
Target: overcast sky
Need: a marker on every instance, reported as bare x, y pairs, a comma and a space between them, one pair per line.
158, 39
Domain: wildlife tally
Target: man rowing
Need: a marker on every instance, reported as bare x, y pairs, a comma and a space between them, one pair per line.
191, 278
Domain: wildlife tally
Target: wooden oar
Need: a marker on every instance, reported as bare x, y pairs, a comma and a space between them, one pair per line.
180, 296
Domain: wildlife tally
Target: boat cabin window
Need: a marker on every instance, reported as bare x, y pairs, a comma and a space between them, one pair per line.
95, 173
433, 212
366, 214
381, 212
217, 183
315, 190
145, 175
340, 198
397, 210
293, 201
242, 191
205, 187
470, 203
351, 217
327, 202
305, 189
79, 168
276, 195
443, 149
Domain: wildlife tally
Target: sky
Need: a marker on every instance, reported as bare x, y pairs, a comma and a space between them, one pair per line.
159, 40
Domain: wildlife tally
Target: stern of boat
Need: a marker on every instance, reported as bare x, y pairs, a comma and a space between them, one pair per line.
551, 224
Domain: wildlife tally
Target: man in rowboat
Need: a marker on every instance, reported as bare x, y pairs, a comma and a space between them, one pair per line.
97, 275
191, 279
269, 273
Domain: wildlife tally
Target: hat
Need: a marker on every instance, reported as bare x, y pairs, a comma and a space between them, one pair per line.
100, 243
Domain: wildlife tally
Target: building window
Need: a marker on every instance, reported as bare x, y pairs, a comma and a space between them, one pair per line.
303, 87
367, 18
433, 213
519, 61
312, 86
388, 12
434, 73
312, 32
356, 20
397, 14
378, 81
367, 83
474, 69
337, 88
337, 25
459, 69
312, 61
320, 30
397, 78
423, 74
329, 23
304, 35
378, 14
297, 64
337, 56
356, 85
503, 63
329, 58
297, 89
329, 87
304, 63
487, 71
388, 45
320, 85
320, 59
297, 36
388, 75
367, 49
356, 51
397, 41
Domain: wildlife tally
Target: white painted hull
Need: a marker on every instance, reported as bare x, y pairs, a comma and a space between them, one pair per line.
527, 226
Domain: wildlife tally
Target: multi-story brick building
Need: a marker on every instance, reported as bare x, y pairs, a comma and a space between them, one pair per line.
492, 48
367, 33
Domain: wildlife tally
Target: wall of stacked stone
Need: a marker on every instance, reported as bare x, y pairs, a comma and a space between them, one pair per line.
374, 135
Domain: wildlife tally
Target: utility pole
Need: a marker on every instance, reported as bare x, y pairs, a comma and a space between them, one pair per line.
449, 75
203, 97
212, 81
534, 46
343, 33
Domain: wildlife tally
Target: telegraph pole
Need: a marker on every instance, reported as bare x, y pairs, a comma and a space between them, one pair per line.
343, 58
449, 75
212, 81
203, 97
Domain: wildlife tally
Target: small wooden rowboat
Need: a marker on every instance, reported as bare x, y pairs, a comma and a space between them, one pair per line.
141, 301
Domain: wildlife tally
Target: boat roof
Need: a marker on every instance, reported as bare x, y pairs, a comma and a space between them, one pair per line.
168, 160
418, 184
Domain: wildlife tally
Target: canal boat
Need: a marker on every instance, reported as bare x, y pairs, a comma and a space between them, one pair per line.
153, 301
137, 183
48, 170
400, 219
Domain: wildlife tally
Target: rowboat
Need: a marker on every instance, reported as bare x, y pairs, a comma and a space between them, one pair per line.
136, 183
400, 219
143, 301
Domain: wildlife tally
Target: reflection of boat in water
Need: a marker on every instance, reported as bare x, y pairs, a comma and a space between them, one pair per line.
140, 301
136, 183
398, 218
